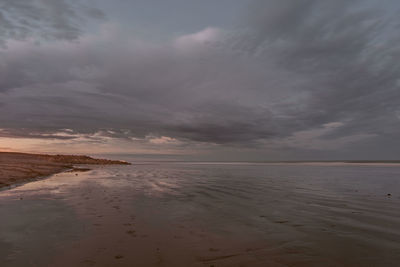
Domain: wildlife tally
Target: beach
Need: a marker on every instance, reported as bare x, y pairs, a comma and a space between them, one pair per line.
22, 167
205, 214
236, 133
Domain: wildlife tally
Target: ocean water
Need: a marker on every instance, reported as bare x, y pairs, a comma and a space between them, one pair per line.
206, 214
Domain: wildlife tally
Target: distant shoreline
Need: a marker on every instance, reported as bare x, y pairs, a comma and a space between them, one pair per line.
17, 168
177, 158
273, 162
311, 162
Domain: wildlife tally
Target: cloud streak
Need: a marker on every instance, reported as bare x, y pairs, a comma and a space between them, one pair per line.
44, 19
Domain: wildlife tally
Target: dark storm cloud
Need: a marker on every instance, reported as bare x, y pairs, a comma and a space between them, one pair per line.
347, 53
44, 19
294, 74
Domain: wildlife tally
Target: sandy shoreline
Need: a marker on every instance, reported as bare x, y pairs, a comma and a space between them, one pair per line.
21, 167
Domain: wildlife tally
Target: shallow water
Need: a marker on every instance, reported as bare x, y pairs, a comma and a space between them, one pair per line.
202, 214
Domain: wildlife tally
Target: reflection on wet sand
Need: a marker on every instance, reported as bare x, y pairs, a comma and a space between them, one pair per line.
175, 214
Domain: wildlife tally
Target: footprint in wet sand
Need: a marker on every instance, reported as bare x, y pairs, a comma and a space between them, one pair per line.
281, 221
89, 262
131, 232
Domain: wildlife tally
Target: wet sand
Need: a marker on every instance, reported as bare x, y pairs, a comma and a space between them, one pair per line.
21, 167
186, 214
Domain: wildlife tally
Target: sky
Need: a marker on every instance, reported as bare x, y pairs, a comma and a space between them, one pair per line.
202, 80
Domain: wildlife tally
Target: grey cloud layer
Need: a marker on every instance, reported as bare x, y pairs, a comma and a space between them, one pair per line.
292, 69
44, 19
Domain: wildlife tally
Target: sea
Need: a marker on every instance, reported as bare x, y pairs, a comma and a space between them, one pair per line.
169, 213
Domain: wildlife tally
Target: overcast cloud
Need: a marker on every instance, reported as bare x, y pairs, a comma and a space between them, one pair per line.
307, 79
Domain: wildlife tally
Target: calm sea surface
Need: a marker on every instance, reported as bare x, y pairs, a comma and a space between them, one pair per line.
205, 214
